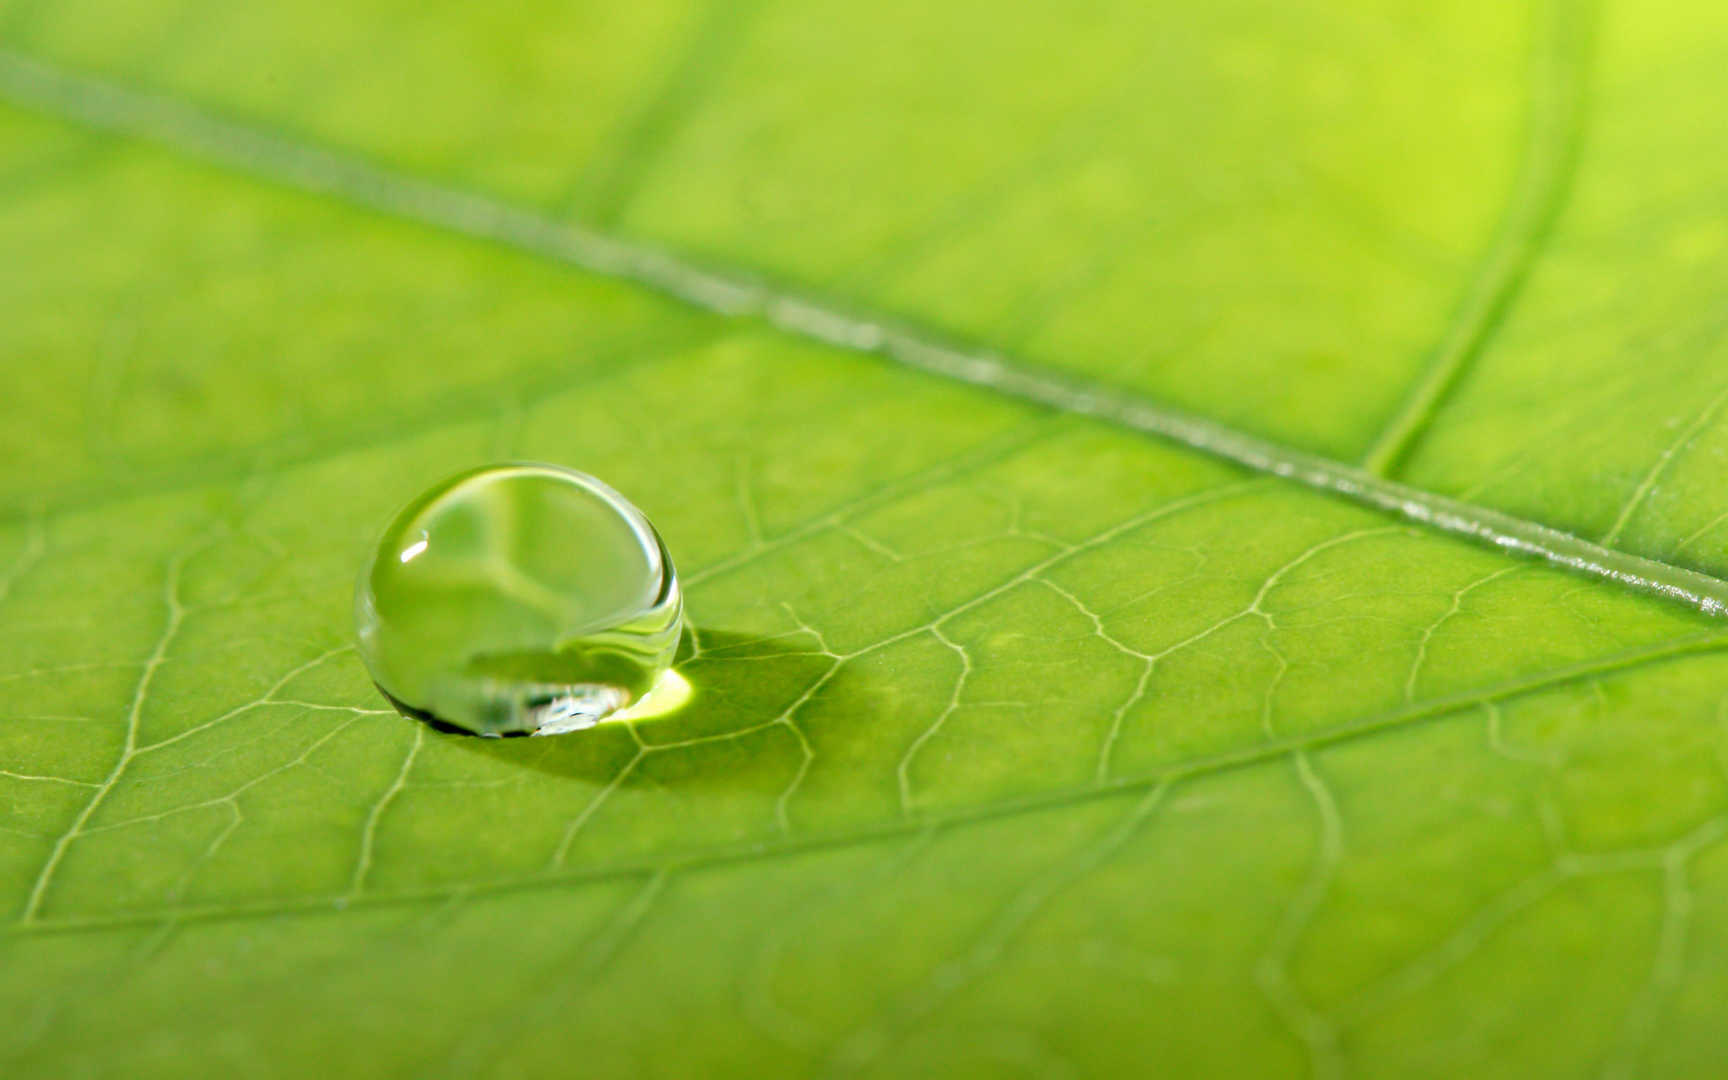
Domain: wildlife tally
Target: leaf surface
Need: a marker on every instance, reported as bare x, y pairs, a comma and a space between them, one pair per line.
1026, 742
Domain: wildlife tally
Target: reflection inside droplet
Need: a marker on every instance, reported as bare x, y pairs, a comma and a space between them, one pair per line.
522, 599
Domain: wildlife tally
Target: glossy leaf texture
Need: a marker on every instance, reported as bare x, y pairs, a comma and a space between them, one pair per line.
1026, 742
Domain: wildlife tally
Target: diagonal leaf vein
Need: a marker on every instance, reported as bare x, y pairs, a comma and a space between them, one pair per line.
262, 154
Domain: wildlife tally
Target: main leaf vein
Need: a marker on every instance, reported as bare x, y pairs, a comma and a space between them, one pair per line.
203, 135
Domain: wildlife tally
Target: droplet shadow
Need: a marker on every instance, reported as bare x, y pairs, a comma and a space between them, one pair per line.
742, 682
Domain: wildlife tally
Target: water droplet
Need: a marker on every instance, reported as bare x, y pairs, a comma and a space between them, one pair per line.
520, 599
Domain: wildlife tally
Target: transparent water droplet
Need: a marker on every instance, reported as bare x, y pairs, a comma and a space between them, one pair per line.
519, 599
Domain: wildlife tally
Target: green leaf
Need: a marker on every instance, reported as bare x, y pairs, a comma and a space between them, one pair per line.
1204, 528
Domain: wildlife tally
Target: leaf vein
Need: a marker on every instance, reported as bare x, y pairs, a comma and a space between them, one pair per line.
1554, 123
261, 154
1192, 769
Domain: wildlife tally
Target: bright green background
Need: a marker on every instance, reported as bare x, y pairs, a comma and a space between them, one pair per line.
1027, 746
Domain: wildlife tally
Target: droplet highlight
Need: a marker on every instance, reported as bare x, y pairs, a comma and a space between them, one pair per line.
521, 599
